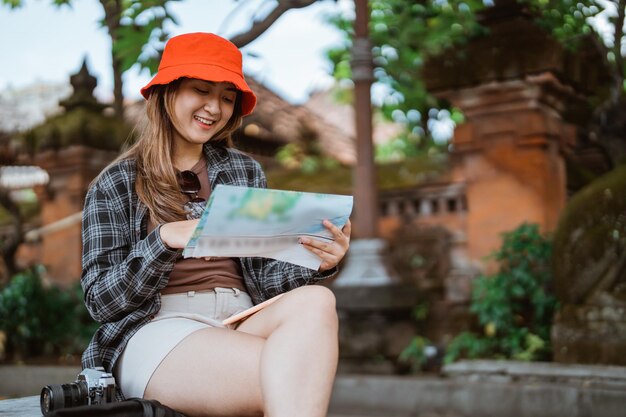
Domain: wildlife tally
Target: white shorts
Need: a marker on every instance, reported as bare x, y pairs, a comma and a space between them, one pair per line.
180, 315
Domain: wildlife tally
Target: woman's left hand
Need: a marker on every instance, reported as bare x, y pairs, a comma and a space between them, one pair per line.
330, 252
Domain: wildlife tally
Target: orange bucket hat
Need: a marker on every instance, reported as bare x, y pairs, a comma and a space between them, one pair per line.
204, 56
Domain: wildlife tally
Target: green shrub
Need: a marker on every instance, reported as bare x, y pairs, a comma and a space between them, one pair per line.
416, 353
514, 307
39, 320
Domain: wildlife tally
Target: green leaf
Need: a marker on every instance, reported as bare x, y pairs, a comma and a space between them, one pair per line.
13, 4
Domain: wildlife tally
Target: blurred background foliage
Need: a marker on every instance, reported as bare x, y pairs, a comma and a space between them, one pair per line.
405, 34
515, 306
39, 320
512, 310
318, 175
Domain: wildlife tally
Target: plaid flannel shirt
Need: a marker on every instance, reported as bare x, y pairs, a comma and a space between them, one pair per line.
125, 268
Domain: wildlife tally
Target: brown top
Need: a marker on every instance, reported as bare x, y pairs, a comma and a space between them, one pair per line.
198, 274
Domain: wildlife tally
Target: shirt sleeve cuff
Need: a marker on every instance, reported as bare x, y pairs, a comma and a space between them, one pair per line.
159, 248
319, 276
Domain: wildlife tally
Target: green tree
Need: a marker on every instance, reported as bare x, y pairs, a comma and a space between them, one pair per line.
569, 21
406, 33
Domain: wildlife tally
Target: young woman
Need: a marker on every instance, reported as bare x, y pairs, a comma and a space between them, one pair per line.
161, 333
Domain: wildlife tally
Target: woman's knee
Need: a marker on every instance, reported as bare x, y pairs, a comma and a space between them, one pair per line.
316, 300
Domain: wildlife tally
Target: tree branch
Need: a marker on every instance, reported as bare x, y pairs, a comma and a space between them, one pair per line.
260, 26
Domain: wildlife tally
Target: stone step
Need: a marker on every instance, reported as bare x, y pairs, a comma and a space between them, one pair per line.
477, 389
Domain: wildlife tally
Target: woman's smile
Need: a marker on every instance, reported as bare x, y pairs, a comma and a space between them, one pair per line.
202, 109
204, 122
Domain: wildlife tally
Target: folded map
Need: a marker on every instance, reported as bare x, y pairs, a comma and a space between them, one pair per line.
260, 222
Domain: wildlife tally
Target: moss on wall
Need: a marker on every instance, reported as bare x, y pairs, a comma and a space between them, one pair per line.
28, 210
80, 126
405, 174
590, 241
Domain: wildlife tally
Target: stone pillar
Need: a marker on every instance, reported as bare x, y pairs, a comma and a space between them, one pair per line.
73, 148
524, 97
526, 102
509, 153
71, 171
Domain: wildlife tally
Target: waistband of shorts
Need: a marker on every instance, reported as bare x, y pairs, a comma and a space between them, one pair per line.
217, 290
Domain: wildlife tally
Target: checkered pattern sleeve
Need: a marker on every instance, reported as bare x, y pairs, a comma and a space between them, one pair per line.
120, 272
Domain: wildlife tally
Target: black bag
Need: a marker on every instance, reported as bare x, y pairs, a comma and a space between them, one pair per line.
133, 407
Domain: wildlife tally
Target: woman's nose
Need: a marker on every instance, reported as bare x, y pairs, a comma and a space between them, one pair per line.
212, 105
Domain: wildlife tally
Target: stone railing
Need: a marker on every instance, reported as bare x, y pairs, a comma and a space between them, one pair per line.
431, 200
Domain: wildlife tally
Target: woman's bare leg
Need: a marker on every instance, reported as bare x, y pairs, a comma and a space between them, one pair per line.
212, 372
299, 357
280, 363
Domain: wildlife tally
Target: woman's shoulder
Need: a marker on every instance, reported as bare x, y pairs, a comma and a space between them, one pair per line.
225, 154
118, 173
243, 158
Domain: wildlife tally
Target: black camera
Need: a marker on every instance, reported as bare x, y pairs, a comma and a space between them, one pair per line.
92, 386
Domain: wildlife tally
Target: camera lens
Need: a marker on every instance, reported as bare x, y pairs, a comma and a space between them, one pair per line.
54, 397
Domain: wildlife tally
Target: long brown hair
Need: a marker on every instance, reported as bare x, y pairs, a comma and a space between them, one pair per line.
156, 183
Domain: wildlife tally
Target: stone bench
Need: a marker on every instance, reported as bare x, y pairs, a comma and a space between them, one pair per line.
24, 383
471, 388
29, 407
21, 407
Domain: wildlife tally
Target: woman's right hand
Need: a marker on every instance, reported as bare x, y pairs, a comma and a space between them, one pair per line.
175, 235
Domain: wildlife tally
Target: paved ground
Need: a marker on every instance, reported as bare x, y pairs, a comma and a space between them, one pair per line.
29, 407
424, 414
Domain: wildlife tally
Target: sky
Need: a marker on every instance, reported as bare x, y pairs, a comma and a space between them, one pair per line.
43, 43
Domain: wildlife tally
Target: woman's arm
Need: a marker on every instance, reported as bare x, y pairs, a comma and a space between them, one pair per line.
119, 272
